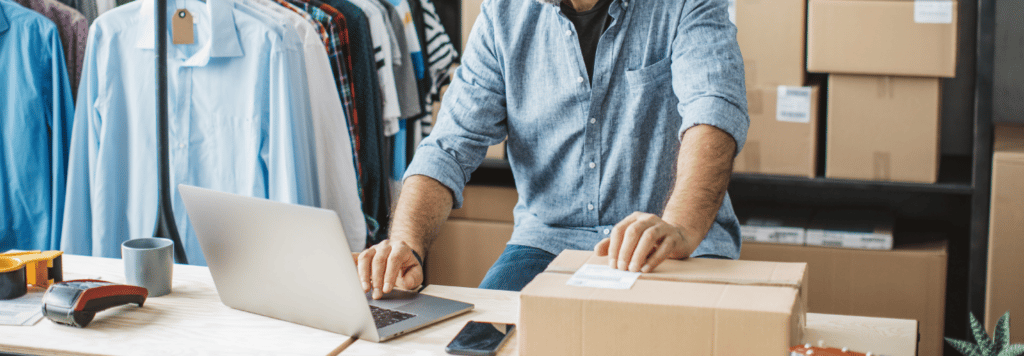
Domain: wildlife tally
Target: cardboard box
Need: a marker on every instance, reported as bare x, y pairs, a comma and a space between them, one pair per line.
496, 151
908, 282
783, 134
1006, 232
903, 38
481, 202
863, 229
465, 250
883, 128
470, 10
775, 225
771, 35
691, 307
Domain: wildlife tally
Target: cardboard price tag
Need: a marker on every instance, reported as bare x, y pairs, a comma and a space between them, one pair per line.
181, 27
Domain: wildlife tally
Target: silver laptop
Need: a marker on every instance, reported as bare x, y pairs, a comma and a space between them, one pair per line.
293, 263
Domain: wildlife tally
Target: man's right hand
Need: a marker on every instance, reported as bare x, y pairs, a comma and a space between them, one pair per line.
388, 265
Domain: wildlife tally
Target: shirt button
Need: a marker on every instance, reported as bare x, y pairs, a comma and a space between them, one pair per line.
568, 32
590, 206
181, 145
579, 80
593, 120
592, 164
607, 231
625, 4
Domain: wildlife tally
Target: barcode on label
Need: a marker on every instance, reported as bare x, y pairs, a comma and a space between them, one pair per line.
793, 104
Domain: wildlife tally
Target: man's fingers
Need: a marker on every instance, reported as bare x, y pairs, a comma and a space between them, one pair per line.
379, 266
355, 257
616, 239
602, 247
394, 266
648, 242
364, 267
659, 255
630, 239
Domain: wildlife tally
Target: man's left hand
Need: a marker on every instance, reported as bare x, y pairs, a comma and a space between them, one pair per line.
642, 241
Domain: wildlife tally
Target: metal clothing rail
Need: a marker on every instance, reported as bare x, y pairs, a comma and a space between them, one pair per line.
165, 224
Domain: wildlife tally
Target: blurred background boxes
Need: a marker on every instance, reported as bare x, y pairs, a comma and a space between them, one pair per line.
883, 128
908, 282
1006, 232
783, 134
883, 37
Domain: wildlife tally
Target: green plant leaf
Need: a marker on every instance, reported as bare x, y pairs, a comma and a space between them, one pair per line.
984, 342
1012, 350
1001, 335
965, 348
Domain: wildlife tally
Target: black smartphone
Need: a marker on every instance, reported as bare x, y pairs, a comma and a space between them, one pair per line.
478, 338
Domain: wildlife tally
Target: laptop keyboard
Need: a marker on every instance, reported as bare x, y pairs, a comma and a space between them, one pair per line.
384, 317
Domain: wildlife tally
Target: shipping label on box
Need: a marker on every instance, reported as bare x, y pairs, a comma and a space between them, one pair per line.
706, 306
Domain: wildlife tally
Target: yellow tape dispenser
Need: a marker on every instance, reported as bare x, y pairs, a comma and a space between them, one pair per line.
19, 269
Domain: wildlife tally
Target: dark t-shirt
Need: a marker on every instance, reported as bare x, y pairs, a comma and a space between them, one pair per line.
589, 25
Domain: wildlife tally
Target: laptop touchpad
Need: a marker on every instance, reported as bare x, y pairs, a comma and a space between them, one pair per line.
394, 300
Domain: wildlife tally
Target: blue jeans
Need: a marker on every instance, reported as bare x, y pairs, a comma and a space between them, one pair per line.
516, 267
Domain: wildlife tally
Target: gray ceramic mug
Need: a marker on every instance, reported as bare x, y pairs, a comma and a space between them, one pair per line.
148, 263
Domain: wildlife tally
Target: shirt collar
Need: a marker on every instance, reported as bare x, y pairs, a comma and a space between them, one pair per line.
224, 41
3, 19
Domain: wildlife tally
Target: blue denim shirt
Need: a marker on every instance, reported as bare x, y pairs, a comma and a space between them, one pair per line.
585, 155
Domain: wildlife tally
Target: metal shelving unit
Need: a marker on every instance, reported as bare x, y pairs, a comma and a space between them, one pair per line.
956, 207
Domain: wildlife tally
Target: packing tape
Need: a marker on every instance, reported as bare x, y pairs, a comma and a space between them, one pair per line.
882, 166
38, 268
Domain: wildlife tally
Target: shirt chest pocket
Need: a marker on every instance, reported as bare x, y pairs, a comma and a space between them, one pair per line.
653, 76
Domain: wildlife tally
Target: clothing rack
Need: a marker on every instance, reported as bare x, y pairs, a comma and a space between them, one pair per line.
165, 223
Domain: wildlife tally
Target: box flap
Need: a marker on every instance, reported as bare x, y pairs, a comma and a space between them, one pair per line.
699, 270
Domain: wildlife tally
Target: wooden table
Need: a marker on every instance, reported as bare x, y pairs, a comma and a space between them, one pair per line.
192, 321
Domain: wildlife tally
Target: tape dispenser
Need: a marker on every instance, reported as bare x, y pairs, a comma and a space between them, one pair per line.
19, 269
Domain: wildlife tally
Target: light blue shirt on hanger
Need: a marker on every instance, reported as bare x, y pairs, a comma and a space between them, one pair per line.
36, 111
586, 153
239, 122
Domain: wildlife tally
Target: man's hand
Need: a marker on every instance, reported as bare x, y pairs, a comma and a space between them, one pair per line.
642, 241
388, 265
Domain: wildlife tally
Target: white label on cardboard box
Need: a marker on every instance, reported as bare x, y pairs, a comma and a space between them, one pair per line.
732, 11
933, 11
794, 104
600, 276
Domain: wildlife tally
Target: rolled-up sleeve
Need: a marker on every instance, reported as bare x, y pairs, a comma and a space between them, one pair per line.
707, 70
472, 116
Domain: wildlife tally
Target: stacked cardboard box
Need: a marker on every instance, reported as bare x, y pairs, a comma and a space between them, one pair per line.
473, 237
690, 307
884, 58
1006, 232
908, 282
775, 225
783, 134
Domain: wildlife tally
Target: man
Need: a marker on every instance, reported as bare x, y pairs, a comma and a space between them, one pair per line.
622, 118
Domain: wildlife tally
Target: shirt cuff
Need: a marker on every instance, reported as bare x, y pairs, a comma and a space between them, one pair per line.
720, 113
435, 163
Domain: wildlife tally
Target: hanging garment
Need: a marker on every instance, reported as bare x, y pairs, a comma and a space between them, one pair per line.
335, 171
74, 30
440, 52
36, 112
86, 7
237, 97
376, 202
379, 33
405, 71
105, 5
